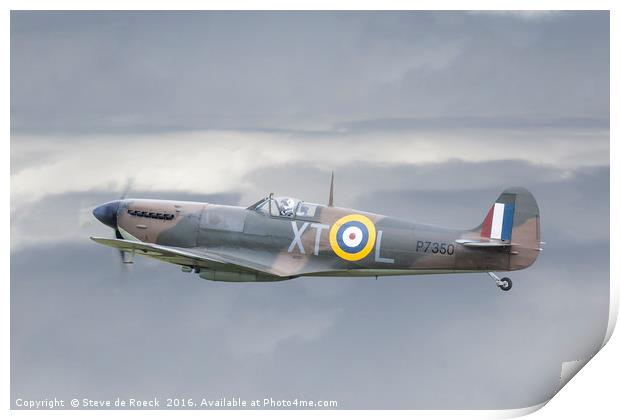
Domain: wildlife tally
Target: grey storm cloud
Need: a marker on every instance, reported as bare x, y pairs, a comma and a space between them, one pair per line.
140, 71
426, 116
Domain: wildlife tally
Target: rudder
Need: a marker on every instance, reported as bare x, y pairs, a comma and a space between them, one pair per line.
514, 218
499, 220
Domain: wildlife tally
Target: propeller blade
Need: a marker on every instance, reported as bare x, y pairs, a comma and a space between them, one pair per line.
128, 186
126, 256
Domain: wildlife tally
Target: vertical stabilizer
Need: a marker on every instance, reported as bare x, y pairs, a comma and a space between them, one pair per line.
514, 219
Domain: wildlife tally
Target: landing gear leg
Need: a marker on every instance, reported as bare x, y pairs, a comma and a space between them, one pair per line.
504, 283
190, 269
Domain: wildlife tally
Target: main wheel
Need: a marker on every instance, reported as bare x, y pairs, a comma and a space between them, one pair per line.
507, 284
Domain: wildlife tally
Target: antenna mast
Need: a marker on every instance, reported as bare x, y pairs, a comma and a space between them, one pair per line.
331, 192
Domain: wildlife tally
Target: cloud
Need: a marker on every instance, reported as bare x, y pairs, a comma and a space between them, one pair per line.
94, 72
522, 14
384, 188
214, 162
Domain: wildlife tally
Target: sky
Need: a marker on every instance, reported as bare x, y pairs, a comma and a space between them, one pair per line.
425, 116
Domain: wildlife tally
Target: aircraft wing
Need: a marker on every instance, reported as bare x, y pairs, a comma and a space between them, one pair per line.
482, 244
215, 260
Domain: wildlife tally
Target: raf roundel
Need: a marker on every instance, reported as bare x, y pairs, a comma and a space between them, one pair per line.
352, 237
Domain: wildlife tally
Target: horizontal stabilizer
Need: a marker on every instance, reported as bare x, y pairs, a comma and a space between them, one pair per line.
482, 244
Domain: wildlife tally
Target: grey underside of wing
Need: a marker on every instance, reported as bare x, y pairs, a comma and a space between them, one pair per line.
220, 259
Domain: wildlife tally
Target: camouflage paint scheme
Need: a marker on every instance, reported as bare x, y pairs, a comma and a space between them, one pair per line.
257, 243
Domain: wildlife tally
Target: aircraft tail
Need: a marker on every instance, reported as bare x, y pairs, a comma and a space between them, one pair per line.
514, 219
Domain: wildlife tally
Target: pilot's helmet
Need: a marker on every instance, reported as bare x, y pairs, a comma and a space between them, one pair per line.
287, 206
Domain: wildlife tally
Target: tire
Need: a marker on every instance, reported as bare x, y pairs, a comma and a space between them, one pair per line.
508, 284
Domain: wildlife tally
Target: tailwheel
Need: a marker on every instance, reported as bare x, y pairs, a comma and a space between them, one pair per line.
504, 283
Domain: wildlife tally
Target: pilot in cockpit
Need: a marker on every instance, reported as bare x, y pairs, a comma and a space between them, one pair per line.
287, 206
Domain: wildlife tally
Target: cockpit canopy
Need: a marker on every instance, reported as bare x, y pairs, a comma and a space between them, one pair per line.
285, 207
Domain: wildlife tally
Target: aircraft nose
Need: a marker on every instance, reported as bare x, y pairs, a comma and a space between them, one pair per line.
106, 213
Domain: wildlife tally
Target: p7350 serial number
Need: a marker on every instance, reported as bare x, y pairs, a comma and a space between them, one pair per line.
434, 247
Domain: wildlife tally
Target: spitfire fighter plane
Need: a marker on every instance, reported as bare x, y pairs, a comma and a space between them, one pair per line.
281, 238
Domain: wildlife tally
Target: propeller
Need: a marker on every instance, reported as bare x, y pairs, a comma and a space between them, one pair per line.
128, 186
85, 215
126, 256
